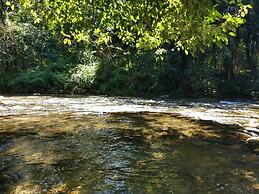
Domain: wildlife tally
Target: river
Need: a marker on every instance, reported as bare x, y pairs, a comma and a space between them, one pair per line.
100, 144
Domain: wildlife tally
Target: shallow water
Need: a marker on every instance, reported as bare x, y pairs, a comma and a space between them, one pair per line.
125, 145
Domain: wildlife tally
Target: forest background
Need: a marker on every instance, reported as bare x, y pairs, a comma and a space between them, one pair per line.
148, 48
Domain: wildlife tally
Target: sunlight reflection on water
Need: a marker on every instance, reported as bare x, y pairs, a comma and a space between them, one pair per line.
243, 113
123, 145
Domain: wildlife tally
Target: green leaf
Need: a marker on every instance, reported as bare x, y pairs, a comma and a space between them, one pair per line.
36, 21
12, 7
232, 34
67, 41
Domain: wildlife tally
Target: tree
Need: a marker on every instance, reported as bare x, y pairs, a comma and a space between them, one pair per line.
190, 26
2, 12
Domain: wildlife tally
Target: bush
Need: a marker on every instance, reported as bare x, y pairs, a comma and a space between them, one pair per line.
32, 60
15, 51
203, 80
127, 74
41, 80
81, 78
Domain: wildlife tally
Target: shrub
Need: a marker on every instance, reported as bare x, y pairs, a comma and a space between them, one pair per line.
81, 78
202, 79
32, 60
42, 80
15, 52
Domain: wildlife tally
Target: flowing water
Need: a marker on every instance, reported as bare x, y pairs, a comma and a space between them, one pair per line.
127, 145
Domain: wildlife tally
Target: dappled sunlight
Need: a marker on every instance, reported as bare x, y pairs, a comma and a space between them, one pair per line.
32, 150
131, 152
26, 188
158, 155
129, 97
242, 114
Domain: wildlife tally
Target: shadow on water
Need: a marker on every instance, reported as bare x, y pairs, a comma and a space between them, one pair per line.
124, 153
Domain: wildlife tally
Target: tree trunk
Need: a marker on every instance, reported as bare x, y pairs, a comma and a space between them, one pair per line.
182, 83
230, 62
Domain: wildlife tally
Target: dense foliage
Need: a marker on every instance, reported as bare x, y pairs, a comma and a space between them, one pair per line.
188, 25
143, 48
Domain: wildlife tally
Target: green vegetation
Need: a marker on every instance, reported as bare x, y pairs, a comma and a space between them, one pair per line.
199, 48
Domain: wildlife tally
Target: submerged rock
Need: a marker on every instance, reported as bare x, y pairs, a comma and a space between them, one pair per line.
253, 142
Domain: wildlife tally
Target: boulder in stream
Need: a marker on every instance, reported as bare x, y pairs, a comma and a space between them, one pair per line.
253, 142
